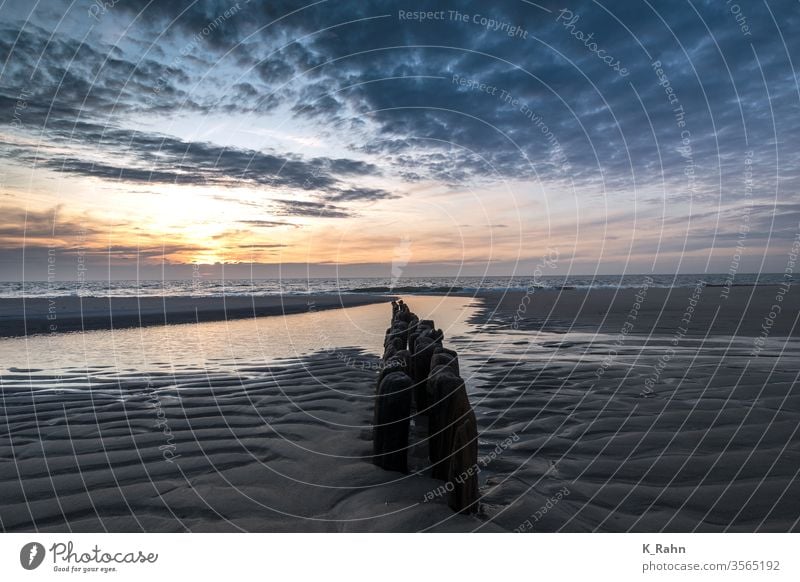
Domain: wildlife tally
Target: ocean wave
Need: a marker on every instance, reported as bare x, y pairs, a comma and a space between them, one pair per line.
385, 285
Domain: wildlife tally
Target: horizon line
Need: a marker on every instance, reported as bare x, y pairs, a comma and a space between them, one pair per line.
402, 279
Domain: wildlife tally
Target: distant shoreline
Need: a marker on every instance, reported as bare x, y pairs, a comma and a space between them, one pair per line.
41, 315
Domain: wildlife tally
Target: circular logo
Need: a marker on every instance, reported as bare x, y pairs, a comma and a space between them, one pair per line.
31, 555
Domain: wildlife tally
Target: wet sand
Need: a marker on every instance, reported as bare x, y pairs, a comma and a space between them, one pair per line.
280, 448
581, 428
653, 430
655, 310
20, 317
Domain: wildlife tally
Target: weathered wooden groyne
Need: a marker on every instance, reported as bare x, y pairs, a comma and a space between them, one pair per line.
420, 376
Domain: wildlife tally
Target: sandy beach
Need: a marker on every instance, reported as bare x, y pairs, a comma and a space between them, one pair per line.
284, 448
674, 425
648, 310
265, 424
20, 317
358, 267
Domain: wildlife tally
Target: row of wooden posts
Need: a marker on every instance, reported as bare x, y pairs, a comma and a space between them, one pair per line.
420, 376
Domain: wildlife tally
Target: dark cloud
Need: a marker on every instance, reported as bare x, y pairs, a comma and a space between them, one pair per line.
160, 159
42, 228
361, 195
309, 208
407, 96
123, 174
266, 223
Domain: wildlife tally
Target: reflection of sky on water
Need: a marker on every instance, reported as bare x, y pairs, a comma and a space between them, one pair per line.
222, 344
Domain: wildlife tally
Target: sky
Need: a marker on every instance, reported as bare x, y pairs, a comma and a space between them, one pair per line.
282, 139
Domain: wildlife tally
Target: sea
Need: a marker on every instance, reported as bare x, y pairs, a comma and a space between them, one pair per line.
207, 287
